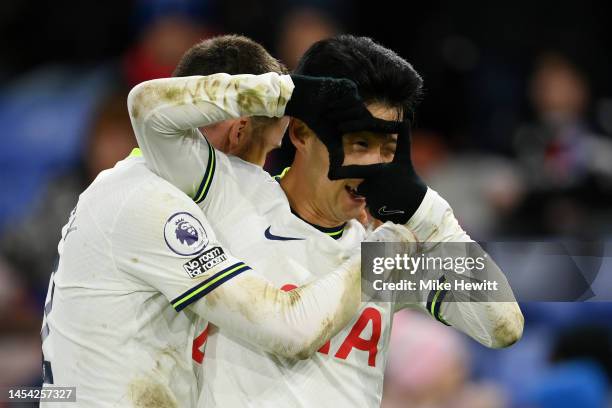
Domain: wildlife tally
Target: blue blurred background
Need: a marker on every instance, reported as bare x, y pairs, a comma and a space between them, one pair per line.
514, 130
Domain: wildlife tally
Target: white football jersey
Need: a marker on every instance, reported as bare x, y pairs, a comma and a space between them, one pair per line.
134, 252
348, 371
250, 214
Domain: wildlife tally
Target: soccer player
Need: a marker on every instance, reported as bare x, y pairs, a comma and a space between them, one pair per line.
250, 138
306, 220
139, 264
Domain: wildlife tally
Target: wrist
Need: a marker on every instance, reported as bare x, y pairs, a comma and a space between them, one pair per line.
428, 216
287, 87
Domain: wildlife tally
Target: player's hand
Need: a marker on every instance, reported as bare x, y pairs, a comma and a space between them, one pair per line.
326, 106
394, 190
389, 232
313, 97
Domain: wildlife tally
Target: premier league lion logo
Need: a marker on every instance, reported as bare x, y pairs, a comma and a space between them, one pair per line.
185, 232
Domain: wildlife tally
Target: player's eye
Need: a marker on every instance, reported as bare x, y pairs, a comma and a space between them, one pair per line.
388, 152
363, 144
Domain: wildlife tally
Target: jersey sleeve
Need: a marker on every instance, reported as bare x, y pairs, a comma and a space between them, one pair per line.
165, 242
493, 324
166, 114
161, 240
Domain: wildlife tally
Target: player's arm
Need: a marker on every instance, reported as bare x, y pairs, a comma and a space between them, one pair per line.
166, 114
494, 324
394, 192
167, 245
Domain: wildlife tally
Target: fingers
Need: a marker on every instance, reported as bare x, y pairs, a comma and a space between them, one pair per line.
337, 88
336, 154
403, 150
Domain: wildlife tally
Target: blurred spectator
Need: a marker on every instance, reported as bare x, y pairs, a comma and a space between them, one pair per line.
64, 126
580, 374
428, 367
102, 138
567, 167
60, 124
19, 331
30, 244
160, 48
43, 117
299, 30
588, 343
480, 187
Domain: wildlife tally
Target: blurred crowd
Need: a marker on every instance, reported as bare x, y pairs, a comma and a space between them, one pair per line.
521, 150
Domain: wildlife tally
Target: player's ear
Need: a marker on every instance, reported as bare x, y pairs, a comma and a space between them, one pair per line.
238, 134
299, 133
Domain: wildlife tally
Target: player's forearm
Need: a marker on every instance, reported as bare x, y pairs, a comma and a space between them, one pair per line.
493, 318
171, 104
492, 324
166, 114
489, 315
290, 324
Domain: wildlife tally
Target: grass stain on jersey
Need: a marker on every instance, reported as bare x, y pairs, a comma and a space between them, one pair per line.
172, 94
294, 296
508, 328
251, 100
211, 88
146, 393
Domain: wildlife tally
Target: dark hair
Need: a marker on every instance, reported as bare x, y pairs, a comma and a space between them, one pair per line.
232, 54
380, 74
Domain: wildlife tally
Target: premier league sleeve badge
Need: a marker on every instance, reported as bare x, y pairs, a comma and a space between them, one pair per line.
184, 234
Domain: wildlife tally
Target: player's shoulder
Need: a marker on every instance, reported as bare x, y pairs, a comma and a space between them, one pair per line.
254, 182
247, 172
155, 191
354, 232
131, 184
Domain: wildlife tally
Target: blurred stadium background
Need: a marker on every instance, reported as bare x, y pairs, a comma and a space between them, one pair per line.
514, 130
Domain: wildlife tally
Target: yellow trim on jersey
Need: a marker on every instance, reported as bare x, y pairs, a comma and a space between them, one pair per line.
333, 234
136, 152
208, 285
435, 303
285, 170
208, 176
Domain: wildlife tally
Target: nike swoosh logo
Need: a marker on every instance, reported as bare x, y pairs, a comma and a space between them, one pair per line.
273, 237
383, 211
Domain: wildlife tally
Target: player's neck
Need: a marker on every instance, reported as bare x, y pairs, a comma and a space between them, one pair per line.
302, 199
256, 155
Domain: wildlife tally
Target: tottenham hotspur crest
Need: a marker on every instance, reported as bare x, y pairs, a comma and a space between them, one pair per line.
184, 234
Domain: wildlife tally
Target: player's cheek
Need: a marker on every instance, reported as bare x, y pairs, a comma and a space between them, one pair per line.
351, 156
364, 157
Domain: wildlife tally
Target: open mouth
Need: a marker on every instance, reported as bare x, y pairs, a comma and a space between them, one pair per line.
353, 193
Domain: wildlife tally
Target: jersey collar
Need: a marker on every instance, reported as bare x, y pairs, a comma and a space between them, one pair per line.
135, 152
